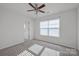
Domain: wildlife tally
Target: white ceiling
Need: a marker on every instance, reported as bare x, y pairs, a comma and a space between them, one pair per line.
50, 8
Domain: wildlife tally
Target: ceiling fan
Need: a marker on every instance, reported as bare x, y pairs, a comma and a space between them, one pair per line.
36, 8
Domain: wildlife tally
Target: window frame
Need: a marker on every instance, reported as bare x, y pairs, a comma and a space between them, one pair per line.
51, 28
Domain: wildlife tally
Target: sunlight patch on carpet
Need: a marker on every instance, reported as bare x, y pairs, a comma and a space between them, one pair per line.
50, 52
36, 48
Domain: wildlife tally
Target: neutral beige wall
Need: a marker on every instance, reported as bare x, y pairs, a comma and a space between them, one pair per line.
67, 29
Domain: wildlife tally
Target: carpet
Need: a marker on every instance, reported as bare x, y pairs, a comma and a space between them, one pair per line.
50, 52
25, 53
36, 48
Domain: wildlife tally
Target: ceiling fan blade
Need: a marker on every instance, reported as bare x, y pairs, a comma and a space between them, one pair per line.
41, 11
30, 10
32, 5
43, 5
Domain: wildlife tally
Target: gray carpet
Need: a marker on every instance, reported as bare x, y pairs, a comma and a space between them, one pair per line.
17, 49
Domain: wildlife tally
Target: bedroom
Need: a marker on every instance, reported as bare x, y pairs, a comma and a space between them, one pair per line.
52, 32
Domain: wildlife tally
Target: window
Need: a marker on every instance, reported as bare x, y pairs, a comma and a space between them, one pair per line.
50, 28
44, 28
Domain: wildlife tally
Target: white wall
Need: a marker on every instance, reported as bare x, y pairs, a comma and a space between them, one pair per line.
67, 29
11, 27
78, 28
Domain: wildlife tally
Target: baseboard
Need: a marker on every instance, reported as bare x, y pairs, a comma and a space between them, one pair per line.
55, 44
12, 45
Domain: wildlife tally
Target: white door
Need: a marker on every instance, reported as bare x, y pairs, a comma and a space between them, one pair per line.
28, 30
